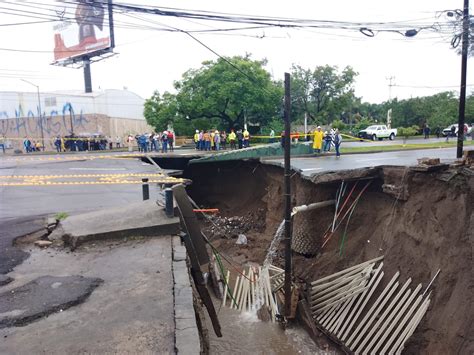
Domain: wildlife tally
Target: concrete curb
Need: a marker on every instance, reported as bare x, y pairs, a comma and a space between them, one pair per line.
187, 340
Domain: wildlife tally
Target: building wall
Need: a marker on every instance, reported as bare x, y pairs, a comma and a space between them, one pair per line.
111, 113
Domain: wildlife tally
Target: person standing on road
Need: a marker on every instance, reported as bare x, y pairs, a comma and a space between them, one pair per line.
118, 142
337, 142
57, 144
171, 140
246, 135
317, 140
272, 136
240, 138
426, 131
224, 140
207, 141
327, 142
217, 140
196, 139
27, 145
164, 142
232, 138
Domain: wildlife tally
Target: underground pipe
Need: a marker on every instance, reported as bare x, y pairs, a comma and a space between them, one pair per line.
312, 206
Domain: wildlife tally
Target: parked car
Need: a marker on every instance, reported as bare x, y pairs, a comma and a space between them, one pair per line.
378, 132
448, 130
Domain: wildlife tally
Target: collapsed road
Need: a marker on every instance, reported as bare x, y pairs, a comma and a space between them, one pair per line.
418, 218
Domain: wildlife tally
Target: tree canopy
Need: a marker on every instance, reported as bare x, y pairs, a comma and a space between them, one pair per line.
220, 95
229, 93
324, 93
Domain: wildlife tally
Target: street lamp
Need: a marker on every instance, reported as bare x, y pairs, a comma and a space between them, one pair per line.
39, 111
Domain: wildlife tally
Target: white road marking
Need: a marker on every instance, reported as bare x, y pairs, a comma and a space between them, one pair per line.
311, 169
372, 159
101, 169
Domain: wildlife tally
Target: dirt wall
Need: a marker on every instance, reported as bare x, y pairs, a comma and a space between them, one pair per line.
430, 228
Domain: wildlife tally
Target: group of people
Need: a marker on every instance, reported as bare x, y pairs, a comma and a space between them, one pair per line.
81, 144
322, 141
215, 140
31, 146
153, 142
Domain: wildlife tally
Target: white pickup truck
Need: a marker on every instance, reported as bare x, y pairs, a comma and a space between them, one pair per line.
378, 132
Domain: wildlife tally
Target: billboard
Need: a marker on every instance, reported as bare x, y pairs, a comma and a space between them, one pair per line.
83, 30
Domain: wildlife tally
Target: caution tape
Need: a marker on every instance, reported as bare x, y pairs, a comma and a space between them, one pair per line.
75, 183
78, 176
102, 179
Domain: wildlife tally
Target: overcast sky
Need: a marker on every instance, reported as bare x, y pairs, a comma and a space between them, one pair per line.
149, 60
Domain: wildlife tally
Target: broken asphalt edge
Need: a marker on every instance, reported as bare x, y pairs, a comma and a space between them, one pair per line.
187, 338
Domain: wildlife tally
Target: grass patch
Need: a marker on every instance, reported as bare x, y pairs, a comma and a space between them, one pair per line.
61, 215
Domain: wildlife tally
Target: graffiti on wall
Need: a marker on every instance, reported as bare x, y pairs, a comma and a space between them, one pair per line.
65, 121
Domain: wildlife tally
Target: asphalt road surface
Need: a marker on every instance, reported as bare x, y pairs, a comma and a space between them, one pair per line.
312, 165
95, 184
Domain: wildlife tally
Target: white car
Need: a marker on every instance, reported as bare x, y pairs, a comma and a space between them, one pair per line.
448, 130
378, 132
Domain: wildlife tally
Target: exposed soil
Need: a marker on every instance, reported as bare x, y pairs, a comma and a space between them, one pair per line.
429, 227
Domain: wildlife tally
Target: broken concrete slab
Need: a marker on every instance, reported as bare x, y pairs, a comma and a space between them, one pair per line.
43, 296
4, 280
136, 219
186, 330
43, 243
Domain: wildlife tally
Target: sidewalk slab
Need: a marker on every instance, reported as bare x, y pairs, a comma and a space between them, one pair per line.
135, 219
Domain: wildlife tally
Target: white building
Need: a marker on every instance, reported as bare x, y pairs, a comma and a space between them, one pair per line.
109, 112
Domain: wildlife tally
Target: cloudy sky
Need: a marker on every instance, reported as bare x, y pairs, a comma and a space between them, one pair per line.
150, 59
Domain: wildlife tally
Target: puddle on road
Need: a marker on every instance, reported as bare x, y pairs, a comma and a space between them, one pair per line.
244, 333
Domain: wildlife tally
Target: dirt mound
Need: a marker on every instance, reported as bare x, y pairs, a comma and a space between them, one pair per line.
429, 228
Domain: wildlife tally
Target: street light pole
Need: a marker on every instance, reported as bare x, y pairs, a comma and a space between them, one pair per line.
39, 111
462, 92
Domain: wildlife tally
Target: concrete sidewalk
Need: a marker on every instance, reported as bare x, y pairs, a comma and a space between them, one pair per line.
144, 218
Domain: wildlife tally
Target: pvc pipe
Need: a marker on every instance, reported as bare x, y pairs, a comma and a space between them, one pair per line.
313, 206
226, 278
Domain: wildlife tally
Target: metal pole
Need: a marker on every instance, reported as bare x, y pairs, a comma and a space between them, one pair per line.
87, 75
169, 208
145, 189
40, 118
462, 93
70, 118
39, 110
287, 198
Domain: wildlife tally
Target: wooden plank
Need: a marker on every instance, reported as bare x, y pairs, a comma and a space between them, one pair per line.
359, 331
346, 270
394, 334
361, 303
410, 329
351, 274
316, 300
379, 327
191, 223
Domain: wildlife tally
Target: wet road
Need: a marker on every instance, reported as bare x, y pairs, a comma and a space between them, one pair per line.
34, 199
312, 165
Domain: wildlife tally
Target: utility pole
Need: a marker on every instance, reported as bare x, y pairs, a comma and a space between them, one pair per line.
389, 112
87, 75
390, 84
462, 93
39, 111
287, 142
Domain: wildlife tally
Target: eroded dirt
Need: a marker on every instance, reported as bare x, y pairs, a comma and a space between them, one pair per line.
430, 228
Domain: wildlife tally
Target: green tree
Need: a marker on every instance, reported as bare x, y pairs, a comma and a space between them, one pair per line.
161, 110
229, 93
323, 93
338, 124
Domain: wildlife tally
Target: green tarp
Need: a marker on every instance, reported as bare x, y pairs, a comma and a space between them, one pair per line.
267, 150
